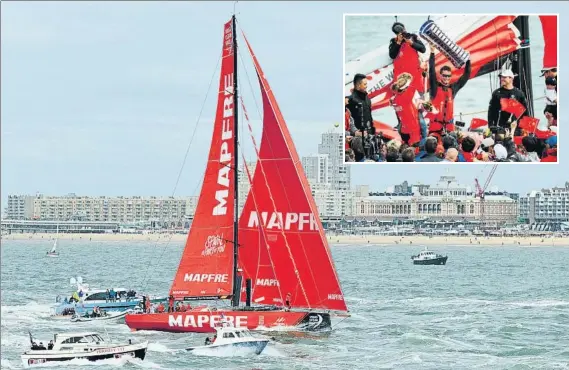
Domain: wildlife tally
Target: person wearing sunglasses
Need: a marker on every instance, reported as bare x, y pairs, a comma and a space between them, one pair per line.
442, 93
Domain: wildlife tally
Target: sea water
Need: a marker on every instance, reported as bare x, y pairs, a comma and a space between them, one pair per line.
492, 307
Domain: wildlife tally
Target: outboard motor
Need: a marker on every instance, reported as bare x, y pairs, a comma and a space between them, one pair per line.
432, 33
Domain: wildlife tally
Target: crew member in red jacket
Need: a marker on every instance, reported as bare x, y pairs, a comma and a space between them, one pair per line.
405, 101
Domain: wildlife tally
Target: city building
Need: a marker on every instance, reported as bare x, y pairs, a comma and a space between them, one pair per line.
547, 208
446, 200
165, 211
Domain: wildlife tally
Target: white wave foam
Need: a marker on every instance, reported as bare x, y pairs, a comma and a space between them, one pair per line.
5, 364
158, 347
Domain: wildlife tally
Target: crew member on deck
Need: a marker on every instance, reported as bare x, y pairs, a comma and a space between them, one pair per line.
171, 303
442, 94
496, 116
287, 301
404, 49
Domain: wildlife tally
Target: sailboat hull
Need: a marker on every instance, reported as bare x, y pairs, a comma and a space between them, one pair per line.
201, 322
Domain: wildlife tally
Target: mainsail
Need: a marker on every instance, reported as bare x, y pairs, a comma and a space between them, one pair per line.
281, 215
205, 269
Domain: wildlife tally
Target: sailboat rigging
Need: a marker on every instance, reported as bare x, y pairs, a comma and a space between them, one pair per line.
278, 245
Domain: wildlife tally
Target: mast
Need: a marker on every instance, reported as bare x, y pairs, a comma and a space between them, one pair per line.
522, 62
236, 279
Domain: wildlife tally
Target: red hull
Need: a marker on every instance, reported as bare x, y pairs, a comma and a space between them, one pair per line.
200, 321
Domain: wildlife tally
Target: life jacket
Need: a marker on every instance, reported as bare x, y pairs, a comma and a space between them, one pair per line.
408, 61
444, 104
408, 114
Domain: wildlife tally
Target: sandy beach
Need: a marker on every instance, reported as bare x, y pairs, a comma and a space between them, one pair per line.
332, 239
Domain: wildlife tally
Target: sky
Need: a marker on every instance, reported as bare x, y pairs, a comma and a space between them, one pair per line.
102, 98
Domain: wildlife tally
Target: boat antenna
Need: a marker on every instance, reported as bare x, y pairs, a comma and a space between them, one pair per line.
106, 332
236, 279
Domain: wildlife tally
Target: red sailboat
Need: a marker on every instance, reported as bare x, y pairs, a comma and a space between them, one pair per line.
277, 247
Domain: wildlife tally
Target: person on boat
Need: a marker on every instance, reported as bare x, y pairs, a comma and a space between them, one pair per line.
359, 104
35, 346
81, 293
171, 303
497, 117
442, 94
147, 304
112, 295
287, 301
160, 308
549, 73
214, 338
50, 344
406, 101
74, 297
207, 341
404, 49
41, 346
108, 296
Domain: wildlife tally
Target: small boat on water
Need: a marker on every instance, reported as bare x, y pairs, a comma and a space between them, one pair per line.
52, 252
238, 340
88, 346
101, 316
428, 257
84, 299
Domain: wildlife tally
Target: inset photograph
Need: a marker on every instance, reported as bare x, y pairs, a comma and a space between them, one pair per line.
450, 88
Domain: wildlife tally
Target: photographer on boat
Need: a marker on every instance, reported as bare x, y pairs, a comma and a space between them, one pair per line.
442, 94
404, 49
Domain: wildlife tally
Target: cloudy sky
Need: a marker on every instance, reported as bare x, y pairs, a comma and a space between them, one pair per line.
102, 98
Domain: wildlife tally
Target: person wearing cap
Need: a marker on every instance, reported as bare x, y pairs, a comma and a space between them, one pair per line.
500, 153
404, 49
549, 72
442, 94
507, 90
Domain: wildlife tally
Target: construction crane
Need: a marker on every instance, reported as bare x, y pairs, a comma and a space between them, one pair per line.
480, 191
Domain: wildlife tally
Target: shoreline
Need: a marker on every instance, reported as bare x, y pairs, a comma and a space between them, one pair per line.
332, 239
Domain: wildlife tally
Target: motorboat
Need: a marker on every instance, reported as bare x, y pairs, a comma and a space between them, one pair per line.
103, 315
88, 346
428, 257
238, 341
85, 298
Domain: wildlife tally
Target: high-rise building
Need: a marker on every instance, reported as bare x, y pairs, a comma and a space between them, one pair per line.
332, 145
546, 206
20, 207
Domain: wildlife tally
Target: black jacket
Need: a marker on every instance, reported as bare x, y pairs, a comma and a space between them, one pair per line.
394, 46
359, 105
497, 117
434, 83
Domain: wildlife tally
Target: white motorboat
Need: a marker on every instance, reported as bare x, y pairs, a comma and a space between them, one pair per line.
231, 340
103, 315
427, 257
88, 346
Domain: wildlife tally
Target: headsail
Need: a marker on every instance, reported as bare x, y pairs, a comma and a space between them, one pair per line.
205, 268
489, 39
286, 214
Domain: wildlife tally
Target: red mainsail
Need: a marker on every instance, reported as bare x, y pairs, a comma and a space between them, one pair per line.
205, 269
549, 27
281, 215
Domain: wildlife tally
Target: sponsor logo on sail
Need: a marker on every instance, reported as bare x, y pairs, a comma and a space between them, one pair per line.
214, 244
199, 321
284, 221
335, 297
267, 282
207, 278
225, 155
